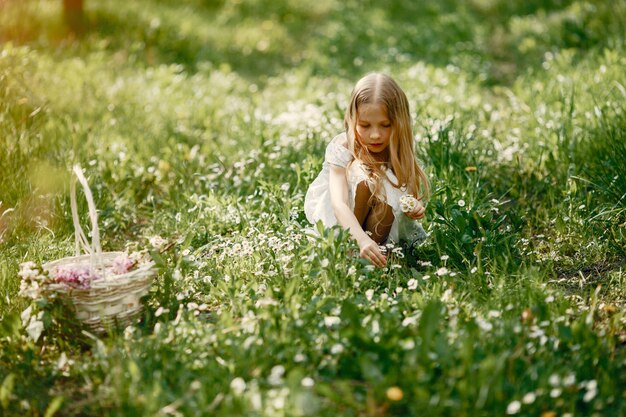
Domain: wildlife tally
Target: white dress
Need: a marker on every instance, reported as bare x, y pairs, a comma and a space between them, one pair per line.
317, 204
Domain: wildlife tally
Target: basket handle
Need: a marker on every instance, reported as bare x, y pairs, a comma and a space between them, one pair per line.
94, 249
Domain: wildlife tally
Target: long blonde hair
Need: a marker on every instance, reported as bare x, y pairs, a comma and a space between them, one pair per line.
376, 88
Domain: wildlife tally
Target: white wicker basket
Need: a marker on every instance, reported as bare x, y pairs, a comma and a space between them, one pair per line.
112, 298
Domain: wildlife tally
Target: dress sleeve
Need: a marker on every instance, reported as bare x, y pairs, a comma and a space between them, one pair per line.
337, 154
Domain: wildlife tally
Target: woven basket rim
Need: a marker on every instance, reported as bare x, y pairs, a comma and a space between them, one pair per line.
143, 272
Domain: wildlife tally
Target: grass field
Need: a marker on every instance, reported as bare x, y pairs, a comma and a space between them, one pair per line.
202, 123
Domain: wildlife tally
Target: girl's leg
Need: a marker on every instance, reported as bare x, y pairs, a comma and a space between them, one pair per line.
376, 219
361, 203
379, 222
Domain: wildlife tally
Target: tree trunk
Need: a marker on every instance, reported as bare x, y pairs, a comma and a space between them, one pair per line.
74, 16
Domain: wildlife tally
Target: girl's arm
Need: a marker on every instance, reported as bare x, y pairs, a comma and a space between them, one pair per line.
339, 198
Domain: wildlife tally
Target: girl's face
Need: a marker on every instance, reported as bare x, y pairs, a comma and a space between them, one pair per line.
373, 127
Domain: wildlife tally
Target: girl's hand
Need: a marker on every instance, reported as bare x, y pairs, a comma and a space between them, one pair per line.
368, 249
418, 212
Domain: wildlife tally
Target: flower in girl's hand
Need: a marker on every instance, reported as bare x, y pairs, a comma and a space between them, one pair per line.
408, 203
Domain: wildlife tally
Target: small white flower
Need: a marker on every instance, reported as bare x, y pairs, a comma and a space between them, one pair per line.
590, 395
513, 407
375, 327
276, 375
30, 289
461, 203
409, 321
570, 379
238, 385
25, 316
336, 348
278, 403
28, 271
442, 271
307, 382
369, 294
446, 297
34, 329
529, 398
484, 324
128, 332
407, 344
494, 314
408, 203
157, 242
554, 380
62, 361
330, 321
412, 284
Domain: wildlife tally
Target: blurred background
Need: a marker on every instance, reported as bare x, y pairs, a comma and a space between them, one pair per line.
493, 40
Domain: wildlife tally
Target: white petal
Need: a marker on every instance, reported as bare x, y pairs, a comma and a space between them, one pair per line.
25, 316
34, 329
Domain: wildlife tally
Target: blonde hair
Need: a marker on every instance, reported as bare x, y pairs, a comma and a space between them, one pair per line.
376, 88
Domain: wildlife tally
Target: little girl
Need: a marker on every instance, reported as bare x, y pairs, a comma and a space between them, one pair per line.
369, 169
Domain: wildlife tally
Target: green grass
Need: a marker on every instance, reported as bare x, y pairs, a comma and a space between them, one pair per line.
204, 122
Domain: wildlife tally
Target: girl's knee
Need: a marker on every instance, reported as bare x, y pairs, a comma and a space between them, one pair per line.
363, 195
362, 199
363, 190
379, 222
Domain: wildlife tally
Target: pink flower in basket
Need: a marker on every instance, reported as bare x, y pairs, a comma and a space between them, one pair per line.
79, 276
123, 264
